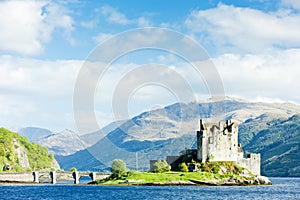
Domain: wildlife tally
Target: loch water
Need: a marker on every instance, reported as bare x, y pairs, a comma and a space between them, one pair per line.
282, 188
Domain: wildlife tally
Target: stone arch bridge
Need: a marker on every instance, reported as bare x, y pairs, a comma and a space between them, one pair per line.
50, 177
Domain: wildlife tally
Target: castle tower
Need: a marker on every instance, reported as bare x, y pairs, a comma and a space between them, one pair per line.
217, 141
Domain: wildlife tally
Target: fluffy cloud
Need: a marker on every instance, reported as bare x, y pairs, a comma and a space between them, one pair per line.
42, 96
36, 92
114, 16
245, 29
143, 22
291, 3
268, 76
30, 76
26, 26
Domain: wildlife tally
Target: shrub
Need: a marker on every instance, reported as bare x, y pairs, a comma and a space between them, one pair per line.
161, 166
215, 168
183, 167
118, 169
73, 169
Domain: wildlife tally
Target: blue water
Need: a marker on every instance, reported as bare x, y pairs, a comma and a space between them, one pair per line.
282, 188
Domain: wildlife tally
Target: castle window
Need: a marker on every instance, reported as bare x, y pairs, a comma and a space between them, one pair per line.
211, 140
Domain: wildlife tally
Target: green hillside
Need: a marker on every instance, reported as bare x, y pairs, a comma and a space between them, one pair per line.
22, 155
278, 143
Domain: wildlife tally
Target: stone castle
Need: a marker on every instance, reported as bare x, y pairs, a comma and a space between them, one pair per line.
219, 142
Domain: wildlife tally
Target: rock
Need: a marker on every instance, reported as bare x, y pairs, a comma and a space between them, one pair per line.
223, 170
54, 164
262, 180
22, 155
232, 179
7, 167
256, 181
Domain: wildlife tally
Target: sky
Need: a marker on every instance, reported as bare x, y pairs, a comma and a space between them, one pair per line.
253, 44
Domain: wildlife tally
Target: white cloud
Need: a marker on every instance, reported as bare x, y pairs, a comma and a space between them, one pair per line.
292, 3
42, 96
36, 92
265, 76
36, 77
102, 37
56, 17
143, 22
26, 26
89, 24
245, 29
114, 16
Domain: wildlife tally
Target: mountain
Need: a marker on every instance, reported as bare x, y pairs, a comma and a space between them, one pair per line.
92, 138
18, 154
279, 145
34, 133
61, 143
158, 133
65, 142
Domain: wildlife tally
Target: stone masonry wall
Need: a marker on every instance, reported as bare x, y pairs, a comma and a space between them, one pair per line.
252, 162
217, 142
17, 177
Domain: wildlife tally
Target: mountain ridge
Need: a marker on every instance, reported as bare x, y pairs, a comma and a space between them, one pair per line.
167, 131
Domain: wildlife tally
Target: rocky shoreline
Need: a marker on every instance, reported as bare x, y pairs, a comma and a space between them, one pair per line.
256, 181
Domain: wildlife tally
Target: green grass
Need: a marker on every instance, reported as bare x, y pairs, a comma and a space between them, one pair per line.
209, 172
150, 177
167, 177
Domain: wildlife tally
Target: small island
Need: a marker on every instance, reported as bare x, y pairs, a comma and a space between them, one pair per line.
217, 161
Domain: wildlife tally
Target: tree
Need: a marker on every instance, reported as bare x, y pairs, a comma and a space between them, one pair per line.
161, 166
118, 168
73, 169
183, 167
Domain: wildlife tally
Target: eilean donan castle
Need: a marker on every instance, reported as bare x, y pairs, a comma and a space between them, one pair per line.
219, 142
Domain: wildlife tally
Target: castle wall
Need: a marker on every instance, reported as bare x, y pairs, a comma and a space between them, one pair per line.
217, 142
172, 161
200, 144
252, 162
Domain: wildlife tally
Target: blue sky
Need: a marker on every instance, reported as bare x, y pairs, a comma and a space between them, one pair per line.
254, 44
92, 19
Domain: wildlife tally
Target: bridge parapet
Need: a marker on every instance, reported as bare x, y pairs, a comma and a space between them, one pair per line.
52, 177
24, 177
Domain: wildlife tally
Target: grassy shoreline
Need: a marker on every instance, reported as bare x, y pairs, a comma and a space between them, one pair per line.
181, 179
